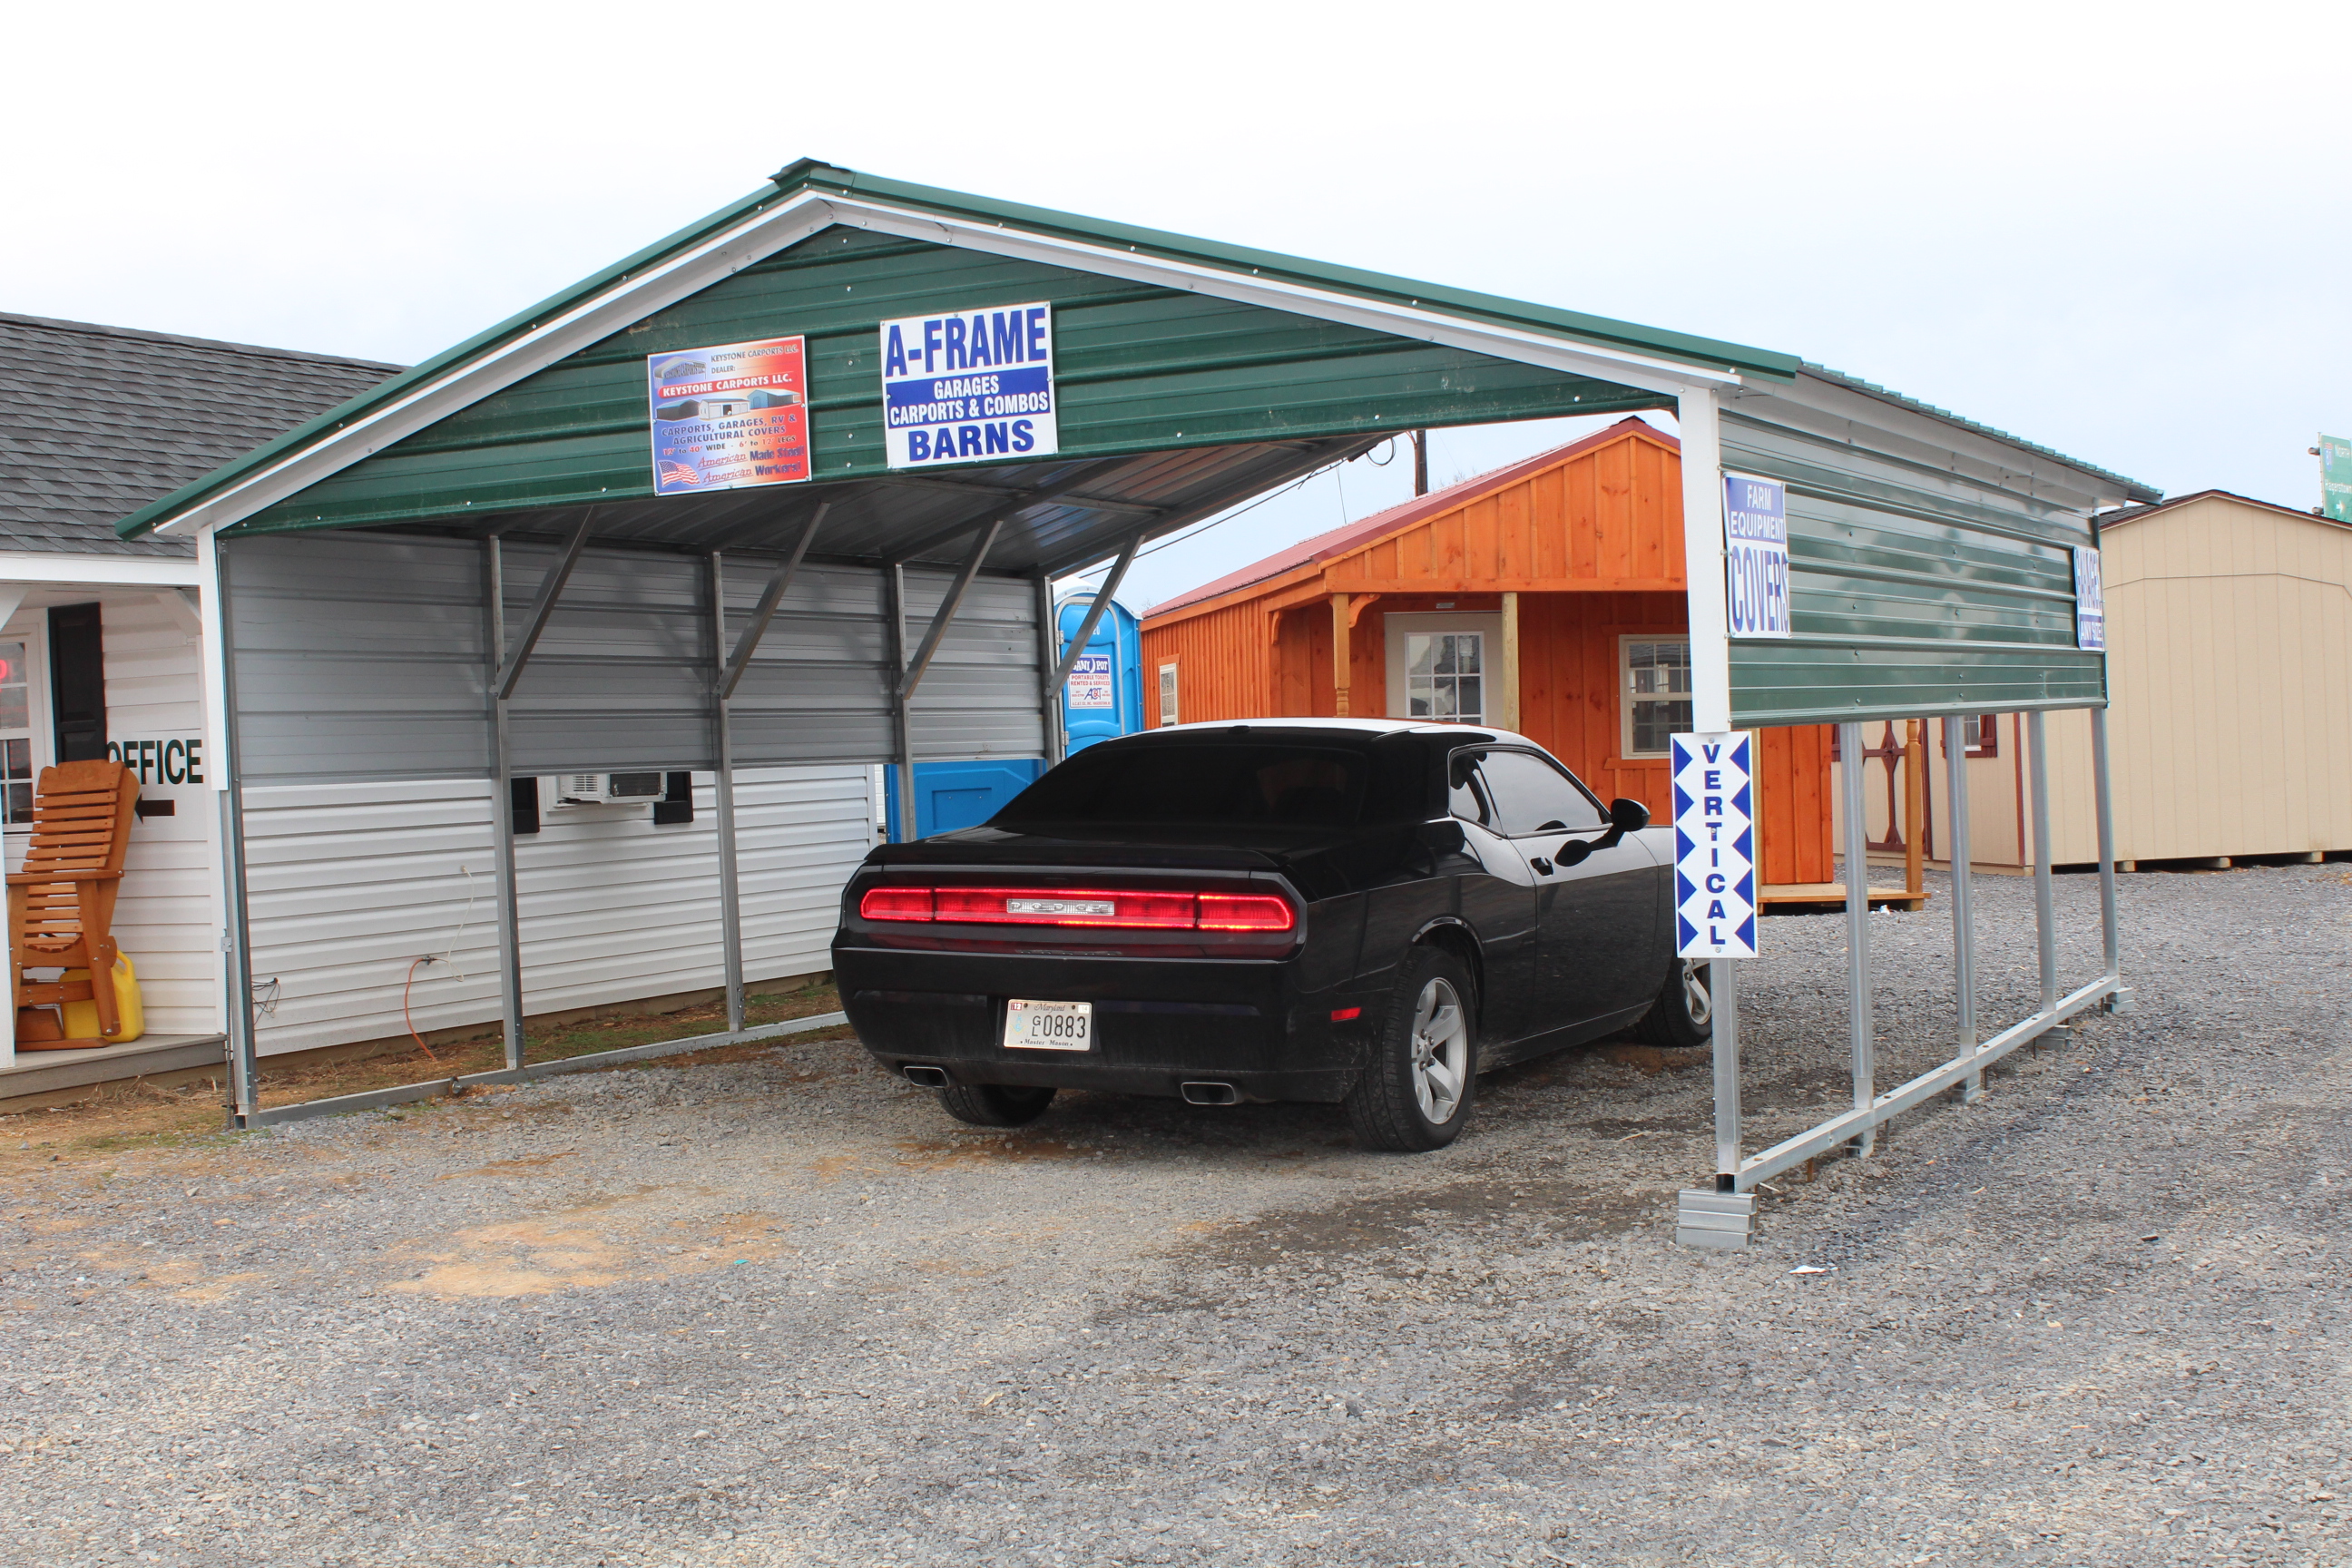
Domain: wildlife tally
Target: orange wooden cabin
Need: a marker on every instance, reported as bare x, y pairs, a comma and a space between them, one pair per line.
1545, 597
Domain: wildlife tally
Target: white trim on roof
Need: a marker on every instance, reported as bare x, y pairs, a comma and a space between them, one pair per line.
71, 567
1623, 367
763, 234
759, 234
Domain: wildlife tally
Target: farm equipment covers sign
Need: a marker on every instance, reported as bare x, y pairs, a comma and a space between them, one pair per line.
969, 387
729, 417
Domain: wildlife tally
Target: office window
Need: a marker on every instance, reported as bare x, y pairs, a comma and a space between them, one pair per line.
1445, 676
15, 737
1656, 694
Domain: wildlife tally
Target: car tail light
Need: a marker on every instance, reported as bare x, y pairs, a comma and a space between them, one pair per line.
895, 904
1148, 910
1244, 911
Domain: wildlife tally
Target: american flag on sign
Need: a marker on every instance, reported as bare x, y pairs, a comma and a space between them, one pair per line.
680, 474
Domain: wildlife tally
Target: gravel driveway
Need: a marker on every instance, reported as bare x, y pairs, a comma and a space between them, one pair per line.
782, 1312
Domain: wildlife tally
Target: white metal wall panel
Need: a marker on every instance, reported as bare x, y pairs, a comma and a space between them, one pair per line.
351, 883
167, 919
979, 698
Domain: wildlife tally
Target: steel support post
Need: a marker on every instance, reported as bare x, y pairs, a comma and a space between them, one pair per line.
503, 802
1049, 660
1723, 986
1964, 935
2045, 912
236, 932
1857, 929
902, 727
730, 907
2110, 928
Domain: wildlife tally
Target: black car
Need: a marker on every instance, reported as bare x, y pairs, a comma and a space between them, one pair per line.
1367, 912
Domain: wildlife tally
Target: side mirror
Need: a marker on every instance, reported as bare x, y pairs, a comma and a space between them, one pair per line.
1628, 816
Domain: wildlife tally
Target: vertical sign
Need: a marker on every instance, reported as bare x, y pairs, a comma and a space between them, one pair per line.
1090, 682
2090, 601
969, 387
1715, 845
2336, 478
1755, 555
731, 416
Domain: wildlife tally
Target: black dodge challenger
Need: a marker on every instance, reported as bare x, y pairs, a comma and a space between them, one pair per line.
1368, 911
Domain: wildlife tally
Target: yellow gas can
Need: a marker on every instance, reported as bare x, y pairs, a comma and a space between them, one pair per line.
82, 1017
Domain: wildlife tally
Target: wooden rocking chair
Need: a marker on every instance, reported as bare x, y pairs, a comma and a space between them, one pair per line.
61, 905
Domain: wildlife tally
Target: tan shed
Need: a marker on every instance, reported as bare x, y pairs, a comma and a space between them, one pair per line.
2230, 679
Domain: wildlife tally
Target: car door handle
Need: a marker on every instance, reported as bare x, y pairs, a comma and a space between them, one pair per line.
1542, 866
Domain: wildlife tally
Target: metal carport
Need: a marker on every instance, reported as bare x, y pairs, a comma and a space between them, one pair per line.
466, 572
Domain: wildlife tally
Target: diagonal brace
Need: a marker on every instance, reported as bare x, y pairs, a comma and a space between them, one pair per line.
749, 643
1094, 612
922, 660
543, 607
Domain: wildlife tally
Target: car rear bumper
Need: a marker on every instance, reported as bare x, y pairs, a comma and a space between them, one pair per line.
1158, 1025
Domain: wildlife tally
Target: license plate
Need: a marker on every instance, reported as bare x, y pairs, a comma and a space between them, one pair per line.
1049, 1026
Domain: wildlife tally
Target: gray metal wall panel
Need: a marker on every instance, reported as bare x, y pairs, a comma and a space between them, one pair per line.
360, 657
1913, 589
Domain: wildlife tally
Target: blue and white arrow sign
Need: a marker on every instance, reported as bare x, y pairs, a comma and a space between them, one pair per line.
1715, 845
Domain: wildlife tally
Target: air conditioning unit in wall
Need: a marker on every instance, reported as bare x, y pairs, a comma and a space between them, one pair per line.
607, 789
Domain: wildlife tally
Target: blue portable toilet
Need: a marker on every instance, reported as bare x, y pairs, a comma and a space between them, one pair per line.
948, 795
1104, 696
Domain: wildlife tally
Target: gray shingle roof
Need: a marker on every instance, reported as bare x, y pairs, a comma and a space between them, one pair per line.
96, 422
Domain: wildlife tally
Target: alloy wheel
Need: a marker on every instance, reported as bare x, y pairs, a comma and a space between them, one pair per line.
1441, 1051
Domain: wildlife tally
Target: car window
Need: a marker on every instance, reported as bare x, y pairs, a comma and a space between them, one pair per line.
1203, 782
1531, 796
1463, 798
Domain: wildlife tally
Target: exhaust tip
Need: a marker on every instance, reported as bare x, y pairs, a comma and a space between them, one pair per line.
1212, 1094
929, 1078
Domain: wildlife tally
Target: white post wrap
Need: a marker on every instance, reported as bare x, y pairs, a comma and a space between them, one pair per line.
1710, 639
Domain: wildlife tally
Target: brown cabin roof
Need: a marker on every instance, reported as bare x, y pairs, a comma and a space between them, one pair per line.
1369, 531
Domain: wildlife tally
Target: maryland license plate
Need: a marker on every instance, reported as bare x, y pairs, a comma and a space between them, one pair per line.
1049, 1026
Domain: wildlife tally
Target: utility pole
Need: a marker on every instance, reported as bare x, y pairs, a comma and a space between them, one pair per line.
1420, 462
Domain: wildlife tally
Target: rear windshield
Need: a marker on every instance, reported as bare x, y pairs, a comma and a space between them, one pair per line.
1204, 782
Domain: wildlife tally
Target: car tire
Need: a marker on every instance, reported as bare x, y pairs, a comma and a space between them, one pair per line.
1414, 1094
1684, 1014
994, 1104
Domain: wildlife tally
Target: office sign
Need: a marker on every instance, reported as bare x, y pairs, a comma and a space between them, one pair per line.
728, 417
1090, 682
1715, 845
2336, 478
1755, 555
174, 759
2090, 601
970, 387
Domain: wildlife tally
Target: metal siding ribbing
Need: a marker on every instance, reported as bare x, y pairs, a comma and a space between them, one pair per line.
360, 657
1915, 589
1140, 368
353, 883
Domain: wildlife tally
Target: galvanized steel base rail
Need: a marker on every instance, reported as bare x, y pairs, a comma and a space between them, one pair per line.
435, 1088
1724, 1216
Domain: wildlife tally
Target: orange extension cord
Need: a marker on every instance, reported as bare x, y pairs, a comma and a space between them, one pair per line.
411, 1022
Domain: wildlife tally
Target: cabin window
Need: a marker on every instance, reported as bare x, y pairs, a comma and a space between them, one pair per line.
1656, 683
1979, 733
1166, 694
16, 735
1445, 676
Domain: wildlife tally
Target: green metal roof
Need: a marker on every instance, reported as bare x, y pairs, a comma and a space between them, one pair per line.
810, 174
2140, 491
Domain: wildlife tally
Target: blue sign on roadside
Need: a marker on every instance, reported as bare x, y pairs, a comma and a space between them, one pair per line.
1715, 845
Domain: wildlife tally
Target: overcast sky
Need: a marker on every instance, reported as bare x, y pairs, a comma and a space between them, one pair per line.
2120, 231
